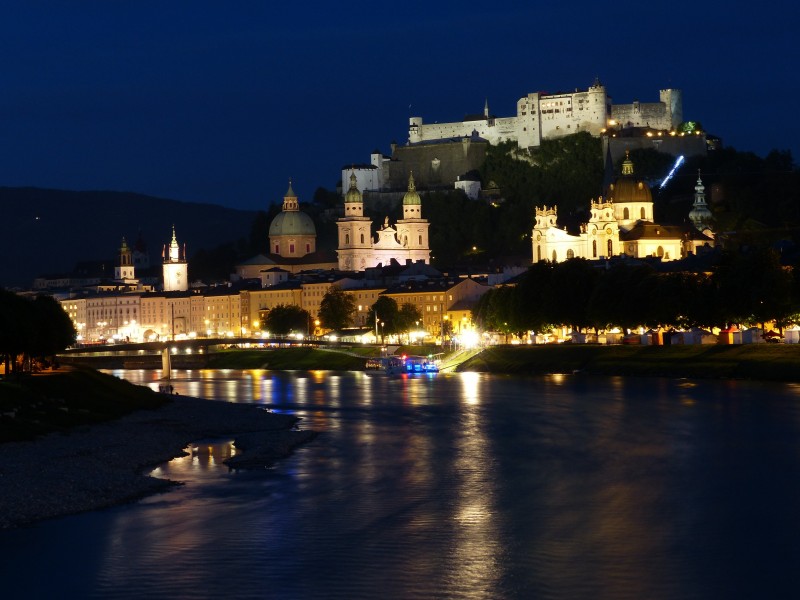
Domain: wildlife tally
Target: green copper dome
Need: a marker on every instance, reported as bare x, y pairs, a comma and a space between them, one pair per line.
292, 223
411, 196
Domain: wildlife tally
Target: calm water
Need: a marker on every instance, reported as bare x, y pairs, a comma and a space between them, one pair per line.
456, 486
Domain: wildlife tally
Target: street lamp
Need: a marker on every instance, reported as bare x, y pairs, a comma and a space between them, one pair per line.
383, 337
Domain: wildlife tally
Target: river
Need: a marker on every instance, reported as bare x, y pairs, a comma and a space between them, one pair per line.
455, 486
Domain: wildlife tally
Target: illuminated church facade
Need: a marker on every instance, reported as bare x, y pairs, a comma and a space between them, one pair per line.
406, 240
622, 224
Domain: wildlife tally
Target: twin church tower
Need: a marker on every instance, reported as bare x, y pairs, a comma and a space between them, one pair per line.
292, 234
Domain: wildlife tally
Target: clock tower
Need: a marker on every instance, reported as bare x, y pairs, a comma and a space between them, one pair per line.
176, 275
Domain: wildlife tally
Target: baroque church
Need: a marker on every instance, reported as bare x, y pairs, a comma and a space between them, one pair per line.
622, 224
406, 240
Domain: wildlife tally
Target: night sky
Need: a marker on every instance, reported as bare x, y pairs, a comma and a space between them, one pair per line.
223, 102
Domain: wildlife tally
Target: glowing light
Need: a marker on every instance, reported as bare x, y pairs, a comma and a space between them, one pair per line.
469, 339
677, 164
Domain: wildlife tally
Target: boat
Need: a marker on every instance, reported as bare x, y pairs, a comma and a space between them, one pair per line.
386, 365
420, 364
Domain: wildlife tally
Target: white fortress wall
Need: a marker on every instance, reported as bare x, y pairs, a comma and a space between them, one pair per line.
367, 178
438, 131
541, 116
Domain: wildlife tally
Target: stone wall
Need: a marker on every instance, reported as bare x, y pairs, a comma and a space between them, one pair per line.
435, 165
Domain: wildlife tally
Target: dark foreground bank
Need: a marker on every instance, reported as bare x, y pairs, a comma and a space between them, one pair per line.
96, 466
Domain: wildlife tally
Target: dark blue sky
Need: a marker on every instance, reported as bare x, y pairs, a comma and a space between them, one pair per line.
222, 102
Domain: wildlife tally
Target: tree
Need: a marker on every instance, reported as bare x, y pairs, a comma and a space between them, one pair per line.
385, 313
53, 330
15, 327
532, 298
408, 317
618, 297
336, 309
571, 286
36, 328
287, 318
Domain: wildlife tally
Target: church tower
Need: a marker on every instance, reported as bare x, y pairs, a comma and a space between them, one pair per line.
700, 215
124, 271
355, 239
412, 229
176, 269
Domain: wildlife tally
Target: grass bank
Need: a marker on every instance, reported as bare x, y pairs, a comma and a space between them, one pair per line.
771, 362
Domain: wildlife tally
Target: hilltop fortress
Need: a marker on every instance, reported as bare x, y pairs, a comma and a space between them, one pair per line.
441, 154
546, 116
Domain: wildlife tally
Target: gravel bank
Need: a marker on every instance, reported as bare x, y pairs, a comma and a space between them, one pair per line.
103, 465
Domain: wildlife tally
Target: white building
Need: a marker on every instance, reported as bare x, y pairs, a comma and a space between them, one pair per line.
368, 177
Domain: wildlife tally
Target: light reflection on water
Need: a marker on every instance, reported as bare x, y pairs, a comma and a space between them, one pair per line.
461, 486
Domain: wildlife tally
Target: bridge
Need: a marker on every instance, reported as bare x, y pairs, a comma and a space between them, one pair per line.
199, 344
191, 353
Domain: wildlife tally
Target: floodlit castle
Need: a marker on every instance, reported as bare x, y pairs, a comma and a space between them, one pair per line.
621, 223
546, 116
406, 240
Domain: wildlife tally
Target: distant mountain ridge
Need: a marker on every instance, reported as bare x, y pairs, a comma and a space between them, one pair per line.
45, 231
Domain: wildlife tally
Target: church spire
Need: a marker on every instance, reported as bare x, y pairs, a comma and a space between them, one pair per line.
412, 203
700, 215
486, 108
353, 200
290, 202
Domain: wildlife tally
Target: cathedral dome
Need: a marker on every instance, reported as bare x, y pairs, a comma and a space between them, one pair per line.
411, 196
292, 223
627, 188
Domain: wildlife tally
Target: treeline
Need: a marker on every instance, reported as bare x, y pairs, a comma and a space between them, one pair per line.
31, 331
742, 288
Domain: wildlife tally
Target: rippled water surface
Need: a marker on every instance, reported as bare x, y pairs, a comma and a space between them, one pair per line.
456, 486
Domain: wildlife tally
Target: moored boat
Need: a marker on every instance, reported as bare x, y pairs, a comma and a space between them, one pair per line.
386, 365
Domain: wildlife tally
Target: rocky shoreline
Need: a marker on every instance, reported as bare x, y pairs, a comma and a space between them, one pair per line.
104, 465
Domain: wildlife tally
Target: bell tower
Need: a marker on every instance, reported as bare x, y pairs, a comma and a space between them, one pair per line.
124, 271
176, 269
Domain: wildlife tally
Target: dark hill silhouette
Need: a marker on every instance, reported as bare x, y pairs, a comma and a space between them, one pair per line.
46, 232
